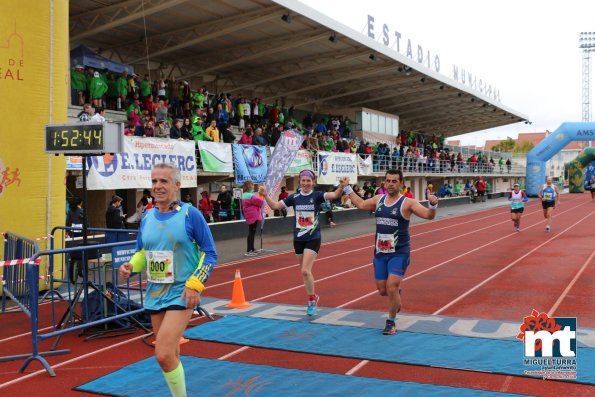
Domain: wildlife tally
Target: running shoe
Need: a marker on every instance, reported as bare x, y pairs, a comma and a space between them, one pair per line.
251, 253
390, 328
547, 229
311, 310
518, 229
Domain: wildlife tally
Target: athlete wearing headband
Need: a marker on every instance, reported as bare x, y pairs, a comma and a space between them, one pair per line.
306, 236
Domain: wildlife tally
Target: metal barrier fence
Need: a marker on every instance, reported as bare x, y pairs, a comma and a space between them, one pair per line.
99, 283
17, 248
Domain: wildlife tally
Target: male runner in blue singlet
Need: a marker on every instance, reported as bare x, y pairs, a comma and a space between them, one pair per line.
392, 248
550, 197
176, 248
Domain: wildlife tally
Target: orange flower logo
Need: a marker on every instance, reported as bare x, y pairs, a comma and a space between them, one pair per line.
538, 322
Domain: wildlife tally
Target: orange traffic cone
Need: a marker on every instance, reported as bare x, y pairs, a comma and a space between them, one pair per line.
238, 301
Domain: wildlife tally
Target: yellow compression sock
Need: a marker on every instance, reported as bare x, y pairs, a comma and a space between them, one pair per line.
176, 381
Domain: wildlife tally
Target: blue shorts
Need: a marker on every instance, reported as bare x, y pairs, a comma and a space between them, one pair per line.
390, 264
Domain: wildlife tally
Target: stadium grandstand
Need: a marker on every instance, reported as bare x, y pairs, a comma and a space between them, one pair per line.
253, 66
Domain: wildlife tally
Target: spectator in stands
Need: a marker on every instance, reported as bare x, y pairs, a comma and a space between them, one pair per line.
258, 138
508, 165
135, 104
228, 136
501, 165
97, 89
246, 138
313, 142
224, 204
99, 116
186, 129
174, 131
212, 131
161, 131
78, 85
198, 132
460, 161
395, 163
85, 114
408, 193
205, 205
149, 129
252, 206
161, 110
222, 116
122, 87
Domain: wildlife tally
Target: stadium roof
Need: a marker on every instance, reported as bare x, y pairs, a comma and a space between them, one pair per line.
281, 49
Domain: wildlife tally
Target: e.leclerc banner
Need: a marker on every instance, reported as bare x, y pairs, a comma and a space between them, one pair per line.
332, 166
285, 151
250, 163
132, 168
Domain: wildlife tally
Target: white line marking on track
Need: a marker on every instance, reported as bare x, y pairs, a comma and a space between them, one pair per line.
357, 367
569, 286
460, 297
233, 353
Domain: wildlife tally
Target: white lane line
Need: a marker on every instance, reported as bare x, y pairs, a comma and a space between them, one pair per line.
462, 296
570, 285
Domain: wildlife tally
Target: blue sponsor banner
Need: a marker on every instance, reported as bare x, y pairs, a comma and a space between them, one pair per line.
122, 254
250, 163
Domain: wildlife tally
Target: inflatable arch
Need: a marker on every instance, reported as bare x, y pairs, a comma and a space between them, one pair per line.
546, 149
576, 170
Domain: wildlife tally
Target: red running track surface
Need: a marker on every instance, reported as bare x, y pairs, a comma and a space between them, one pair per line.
471, 266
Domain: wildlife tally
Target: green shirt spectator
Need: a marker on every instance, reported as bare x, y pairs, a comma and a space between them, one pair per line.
98, 87
122, 84
145, 87
78, 80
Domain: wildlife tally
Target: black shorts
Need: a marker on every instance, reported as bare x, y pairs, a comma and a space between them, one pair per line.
517, 210
300, 246
548, 204
165, 309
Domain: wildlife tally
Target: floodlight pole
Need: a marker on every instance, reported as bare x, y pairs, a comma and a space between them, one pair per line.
587, 44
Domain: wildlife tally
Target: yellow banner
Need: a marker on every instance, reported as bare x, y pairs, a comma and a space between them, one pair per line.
34, 82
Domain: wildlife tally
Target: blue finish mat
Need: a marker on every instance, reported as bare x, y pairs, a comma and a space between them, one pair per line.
456, 352
206, 377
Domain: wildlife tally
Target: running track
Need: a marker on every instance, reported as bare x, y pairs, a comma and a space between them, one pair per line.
472, 266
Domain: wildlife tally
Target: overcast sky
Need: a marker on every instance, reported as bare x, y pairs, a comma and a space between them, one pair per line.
527, 49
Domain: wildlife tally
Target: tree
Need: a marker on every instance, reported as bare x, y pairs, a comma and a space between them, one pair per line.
505, 146
524, 147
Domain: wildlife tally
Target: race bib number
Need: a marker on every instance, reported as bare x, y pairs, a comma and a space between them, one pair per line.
304, 220
548, 196
160, 266
385, 243
78, 225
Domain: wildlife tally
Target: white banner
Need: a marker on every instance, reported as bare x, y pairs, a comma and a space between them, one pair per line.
364, 164
215, 156
332, 166
132, 168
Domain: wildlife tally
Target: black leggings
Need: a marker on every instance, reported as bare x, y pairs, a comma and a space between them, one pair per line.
251, 234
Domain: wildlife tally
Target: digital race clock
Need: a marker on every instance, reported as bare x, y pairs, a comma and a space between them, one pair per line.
84, 138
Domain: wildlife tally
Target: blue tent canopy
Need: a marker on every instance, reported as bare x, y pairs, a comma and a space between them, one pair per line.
84, 56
